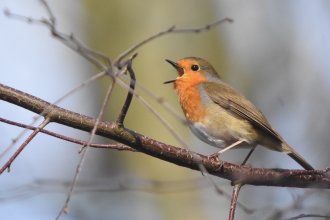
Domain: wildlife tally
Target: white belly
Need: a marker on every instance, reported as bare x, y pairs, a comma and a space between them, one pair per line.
216, 138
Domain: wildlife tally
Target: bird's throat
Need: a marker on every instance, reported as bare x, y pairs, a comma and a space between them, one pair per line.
190, 100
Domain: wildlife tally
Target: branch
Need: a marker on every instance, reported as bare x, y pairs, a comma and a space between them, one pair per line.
234, 198
178, 156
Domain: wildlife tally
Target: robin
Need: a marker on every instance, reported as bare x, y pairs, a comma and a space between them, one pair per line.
221, 116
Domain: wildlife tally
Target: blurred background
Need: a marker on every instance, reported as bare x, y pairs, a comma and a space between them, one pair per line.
275, 53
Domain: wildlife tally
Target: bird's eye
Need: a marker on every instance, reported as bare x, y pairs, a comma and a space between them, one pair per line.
194, 67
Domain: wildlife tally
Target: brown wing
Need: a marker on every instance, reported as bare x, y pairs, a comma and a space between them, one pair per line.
237, 105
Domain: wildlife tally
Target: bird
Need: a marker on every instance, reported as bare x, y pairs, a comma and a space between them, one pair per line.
221, 116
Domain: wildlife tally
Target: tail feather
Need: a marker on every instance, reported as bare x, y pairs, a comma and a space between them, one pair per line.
299, 159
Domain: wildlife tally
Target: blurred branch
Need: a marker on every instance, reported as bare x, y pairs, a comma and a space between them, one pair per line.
127, 183
308, 216
296, 204
178, 156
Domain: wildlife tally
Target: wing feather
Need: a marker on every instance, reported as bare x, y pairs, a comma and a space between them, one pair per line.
237, 105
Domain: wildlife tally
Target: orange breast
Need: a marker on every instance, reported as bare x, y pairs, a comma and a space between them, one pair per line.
189, 96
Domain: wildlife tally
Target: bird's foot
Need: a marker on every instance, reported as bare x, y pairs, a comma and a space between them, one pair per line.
247, 167
215, 157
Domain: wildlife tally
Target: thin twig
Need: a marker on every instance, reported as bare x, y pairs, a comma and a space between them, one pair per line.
73, 140
123, 112
49, 11
91, 51
172, 29
234, 198
34, 133
83, 156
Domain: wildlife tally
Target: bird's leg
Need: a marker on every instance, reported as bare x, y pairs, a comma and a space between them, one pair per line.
227, 148
248, 156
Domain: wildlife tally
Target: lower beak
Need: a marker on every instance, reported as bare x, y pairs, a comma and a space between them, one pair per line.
170, 81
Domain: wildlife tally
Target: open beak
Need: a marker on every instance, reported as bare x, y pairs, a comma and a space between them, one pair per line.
177, 67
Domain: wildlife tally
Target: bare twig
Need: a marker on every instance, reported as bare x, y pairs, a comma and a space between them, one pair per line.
234, 198
123, 112
73, 140
34, 133
83, 156
172, 29
50, 13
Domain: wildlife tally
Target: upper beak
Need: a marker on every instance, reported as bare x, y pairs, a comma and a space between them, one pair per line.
177, 67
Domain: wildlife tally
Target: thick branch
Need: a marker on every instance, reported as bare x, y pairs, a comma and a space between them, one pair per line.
178, 156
